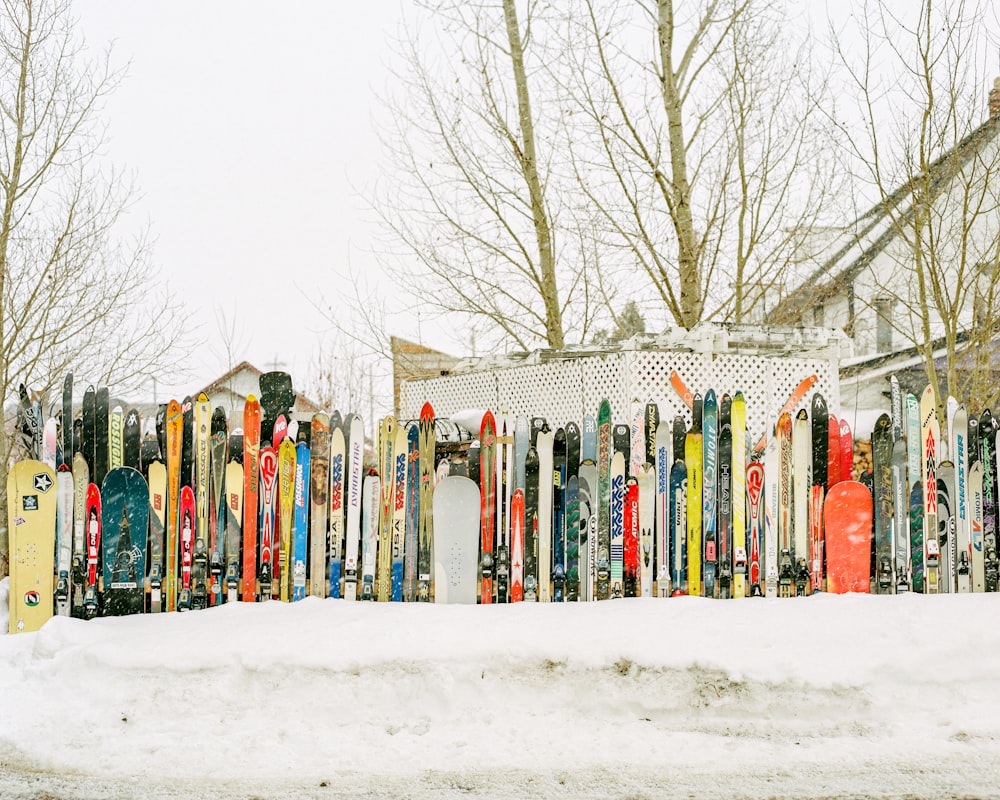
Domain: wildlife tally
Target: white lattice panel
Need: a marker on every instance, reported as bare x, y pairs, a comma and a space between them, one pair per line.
567, 388
605, 376
449, 394
551, 390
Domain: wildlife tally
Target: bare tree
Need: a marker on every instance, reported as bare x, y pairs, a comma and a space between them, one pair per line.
934, 167
473, 197
73, 294
705, 152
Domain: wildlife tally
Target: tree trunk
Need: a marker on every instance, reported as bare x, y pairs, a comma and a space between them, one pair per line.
692, 299
529, 169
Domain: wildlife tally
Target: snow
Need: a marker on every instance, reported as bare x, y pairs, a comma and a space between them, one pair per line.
809, 697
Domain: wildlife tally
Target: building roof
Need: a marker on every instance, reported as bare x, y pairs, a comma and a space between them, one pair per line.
872, 232
222, 383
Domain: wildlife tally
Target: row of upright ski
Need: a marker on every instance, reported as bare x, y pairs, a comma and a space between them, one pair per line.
934, 484
205, 510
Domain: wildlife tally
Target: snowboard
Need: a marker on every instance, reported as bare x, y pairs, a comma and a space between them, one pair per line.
31, 521
457, 534
125, 523
848, 516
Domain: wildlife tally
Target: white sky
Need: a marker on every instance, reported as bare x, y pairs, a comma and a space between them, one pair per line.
251, 137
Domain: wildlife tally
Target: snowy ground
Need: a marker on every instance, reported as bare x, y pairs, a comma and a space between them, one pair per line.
820, 697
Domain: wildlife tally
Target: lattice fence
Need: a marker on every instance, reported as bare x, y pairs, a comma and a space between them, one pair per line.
765, 364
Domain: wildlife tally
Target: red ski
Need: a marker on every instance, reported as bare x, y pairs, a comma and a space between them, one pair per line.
90, 605
517, 546
251, 494
268, 487
631, 526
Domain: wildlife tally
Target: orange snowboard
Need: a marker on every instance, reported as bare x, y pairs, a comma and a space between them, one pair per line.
848, 516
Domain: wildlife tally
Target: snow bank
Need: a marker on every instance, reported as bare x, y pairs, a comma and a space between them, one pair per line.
853, 693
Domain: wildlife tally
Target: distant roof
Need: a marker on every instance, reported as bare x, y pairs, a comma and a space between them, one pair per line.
841, 268
302, 402
219, 383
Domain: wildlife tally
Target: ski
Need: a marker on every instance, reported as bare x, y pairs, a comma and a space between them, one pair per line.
930, 434
268, 466
411, 548
234, 527
174, 431
517, 546
425, 536
219, 455
559, 515
487, 507
738, 421
603, 564
202, 480
353, 500
157, 480
647, 516
630, 537
186, 521
371, 503
299, 554
337, 457
63, 539
882, 448
387, 485
678, 526
531, 526
91, 602
801, 462
81, 479
617, 523
710, 485
820, 461
543, 534
400, 454
724, 517
251, 495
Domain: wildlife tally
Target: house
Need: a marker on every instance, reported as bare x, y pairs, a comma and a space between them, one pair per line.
942, 224
230, 391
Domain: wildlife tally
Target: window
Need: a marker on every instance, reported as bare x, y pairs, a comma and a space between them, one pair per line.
883, 324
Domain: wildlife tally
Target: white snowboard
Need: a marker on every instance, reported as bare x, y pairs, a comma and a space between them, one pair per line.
456, 540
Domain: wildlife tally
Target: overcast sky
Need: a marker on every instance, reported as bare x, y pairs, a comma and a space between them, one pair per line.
249, 127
